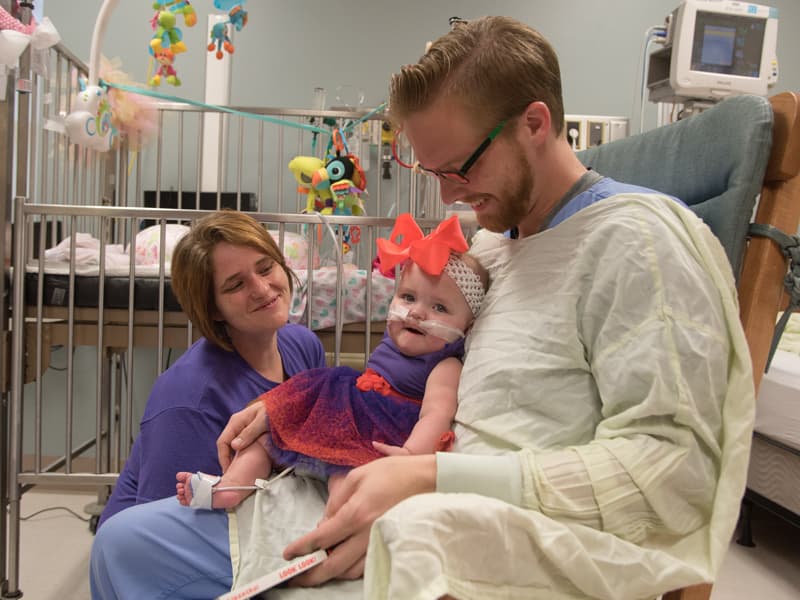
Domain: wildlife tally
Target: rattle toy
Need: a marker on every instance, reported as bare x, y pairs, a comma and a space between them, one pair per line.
89, 123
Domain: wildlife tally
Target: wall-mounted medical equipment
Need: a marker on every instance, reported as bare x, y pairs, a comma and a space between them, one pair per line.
714, 49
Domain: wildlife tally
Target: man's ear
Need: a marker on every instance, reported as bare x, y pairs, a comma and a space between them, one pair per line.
536, 121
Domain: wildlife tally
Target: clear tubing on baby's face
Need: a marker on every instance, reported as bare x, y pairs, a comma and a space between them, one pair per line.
429, 326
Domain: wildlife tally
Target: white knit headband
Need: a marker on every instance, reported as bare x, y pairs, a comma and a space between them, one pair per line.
468, 281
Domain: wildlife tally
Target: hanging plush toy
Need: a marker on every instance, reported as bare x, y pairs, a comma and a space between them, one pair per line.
235, 10
167, 35
165, 57
220, 39
237, 17
167, 40
317, 200
345, 179
179, 7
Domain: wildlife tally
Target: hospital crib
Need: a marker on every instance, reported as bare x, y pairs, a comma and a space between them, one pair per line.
93, 318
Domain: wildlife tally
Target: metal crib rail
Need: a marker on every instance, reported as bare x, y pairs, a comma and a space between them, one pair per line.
62, 189
112, 432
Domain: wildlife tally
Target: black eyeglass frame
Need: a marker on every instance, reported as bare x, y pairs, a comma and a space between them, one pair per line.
460, 176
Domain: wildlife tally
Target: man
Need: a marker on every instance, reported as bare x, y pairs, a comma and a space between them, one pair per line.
606, 390
606, 400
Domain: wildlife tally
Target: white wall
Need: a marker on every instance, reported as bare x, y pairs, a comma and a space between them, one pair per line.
288, 48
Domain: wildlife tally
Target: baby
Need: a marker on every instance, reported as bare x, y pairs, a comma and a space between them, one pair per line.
323, 422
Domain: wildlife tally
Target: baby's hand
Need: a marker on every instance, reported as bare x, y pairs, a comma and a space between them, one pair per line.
388, 450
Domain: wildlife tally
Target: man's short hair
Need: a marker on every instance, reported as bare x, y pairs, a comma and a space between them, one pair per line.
492, 66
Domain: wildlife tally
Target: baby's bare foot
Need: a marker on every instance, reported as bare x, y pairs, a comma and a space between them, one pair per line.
184, 488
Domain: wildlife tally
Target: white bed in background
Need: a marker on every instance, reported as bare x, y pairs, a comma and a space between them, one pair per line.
778, 409
774, 472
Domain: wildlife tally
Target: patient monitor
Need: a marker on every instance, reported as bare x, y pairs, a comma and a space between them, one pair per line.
714, 49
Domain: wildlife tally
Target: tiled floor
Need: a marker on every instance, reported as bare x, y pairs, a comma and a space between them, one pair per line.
55, 555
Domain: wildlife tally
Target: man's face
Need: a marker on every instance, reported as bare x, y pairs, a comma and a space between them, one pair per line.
499, 186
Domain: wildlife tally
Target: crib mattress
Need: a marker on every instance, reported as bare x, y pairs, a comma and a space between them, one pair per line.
55, 292
778, 404
317, 295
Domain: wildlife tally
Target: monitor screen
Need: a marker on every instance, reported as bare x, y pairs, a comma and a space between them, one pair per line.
729, 44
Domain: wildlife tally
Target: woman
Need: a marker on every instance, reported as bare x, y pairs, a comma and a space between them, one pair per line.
233, 282
406, 400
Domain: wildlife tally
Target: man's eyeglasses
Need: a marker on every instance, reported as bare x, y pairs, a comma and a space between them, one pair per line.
460, 176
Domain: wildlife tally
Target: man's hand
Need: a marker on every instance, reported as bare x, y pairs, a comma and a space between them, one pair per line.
364, 495
243, 428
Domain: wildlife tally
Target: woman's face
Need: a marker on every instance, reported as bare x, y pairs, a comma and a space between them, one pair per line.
427, 298
251, 291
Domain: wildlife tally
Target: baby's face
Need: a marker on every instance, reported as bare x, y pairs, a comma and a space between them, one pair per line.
426, 298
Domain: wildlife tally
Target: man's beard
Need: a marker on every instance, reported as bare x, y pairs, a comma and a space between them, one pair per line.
512, 203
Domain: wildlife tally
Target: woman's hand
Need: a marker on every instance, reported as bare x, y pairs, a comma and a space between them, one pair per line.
364, 495
243, 428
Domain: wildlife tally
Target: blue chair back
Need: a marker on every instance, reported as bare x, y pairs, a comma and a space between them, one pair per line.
713, 161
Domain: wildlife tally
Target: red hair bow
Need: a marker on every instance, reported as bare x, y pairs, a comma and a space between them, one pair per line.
430, 252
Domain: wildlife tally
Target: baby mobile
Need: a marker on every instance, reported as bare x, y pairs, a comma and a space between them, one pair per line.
99, 117
167, 41
333, 185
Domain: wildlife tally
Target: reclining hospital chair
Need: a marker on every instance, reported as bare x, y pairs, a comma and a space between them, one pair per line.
718, 162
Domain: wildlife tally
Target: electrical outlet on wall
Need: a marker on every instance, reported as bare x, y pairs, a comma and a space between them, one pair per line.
586, 131
597, 133
574, 134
